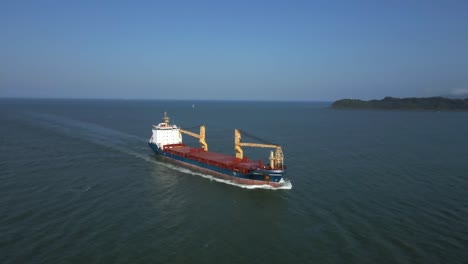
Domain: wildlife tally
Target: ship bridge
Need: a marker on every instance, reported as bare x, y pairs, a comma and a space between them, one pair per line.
165, 134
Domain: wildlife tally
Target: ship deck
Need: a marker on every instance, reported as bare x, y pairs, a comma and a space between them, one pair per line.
213, 158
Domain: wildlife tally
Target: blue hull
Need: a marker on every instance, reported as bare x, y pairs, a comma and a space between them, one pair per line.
253, 177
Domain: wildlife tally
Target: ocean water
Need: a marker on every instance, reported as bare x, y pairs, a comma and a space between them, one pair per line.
79, 184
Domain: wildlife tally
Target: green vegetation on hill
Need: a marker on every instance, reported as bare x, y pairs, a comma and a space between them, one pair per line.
391, 103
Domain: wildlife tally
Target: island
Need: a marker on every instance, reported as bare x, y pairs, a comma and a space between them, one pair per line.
392, 103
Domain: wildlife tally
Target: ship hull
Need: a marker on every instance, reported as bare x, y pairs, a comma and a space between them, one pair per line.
273, 178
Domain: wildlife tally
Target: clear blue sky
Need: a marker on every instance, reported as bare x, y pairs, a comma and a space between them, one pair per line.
257, 50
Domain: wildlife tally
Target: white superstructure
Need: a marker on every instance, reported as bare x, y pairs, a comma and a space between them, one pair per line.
164, 134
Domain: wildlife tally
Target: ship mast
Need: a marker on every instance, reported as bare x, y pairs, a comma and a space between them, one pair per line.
166, 119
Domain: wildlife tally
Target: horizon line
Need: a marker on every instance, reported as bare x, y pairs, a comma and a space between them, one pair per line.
161, 99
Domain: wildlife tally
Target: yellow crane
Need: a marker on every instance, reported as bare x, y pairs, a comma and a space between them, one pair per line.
276, 161
200, 136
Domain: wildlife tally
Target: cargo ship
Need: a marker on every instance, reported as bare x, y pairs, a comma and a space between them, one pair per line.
166, 140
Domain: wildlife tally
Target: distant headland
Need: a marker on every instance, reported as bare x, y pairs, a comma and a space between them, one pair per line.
392, 103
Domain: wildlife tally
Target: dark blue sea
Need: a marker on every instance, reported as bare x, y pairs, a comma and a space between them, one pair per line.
79, 184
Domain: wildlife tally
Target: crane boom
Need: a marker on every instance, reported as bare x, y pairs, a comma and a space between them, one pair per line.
200, 136
195, 135
258, 145
276, 161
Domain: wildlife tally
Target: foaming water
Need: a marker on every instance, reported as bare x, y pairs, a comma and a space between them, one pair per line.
285, 185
